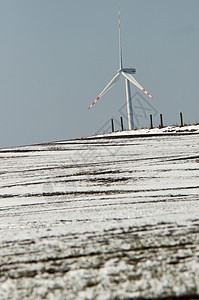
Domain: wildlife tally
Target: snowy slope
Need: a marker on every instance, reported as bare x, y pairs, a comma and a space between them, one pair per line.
101, 217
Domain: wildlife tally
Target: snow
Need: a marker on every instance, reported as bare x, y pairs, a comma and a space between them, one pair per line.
101, 217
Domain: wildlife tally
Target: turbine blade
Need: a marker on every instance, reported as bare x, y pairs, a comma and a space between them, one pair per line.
131, 79
109, 85
120, 45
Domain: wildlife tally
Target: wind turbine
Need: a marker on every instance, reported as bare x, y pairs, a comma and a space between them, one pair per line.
126, 72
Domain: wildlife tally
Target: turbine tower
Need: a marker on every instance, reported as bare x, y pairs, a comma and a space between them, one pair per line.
126, 72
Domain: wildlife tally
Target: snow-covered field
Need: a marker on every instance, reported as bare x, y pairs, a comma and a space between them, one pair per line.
108, 217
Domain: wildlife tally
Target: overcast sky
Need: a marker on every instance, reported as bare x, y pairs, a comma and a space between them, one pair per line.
57, 56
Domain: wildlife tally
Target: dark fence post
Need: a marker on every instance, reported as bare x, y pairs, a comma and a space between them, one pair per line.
112, 125
181, 119
122, 125
151, 121
161, 121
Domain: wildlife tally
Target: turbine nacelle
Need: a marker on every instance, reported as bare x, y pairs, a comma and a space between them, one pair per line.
127, 70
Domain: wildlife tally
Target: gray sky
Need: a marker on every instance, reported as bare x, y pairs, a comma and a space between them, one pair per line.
57, 56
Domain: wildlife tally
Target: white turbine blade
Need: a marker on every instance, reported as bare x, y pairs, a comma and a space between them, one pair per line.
120, 45
131, 79
111, 83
